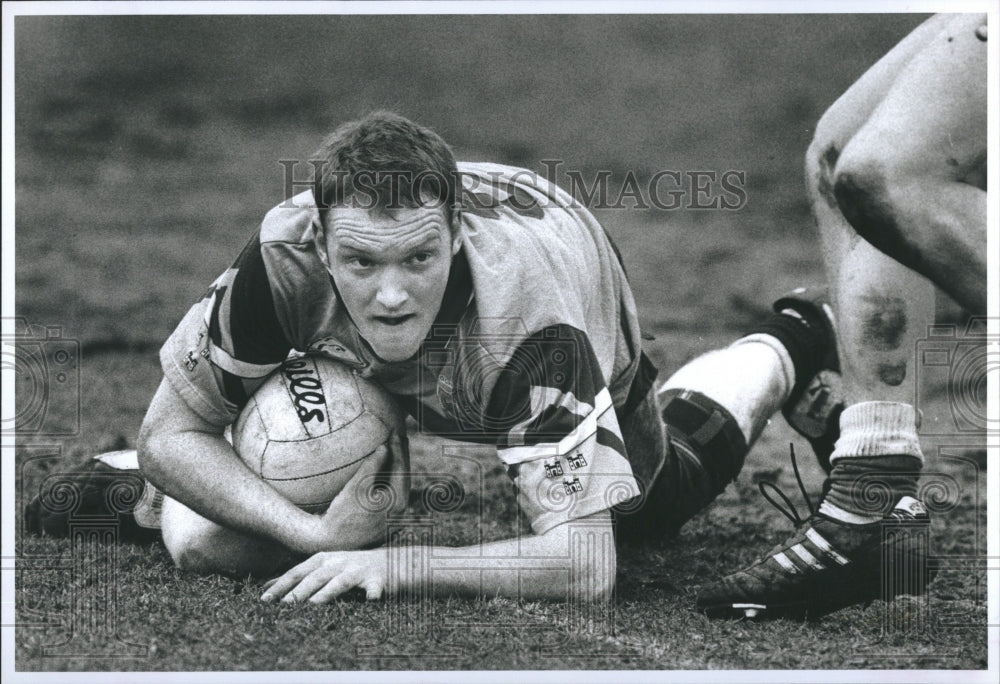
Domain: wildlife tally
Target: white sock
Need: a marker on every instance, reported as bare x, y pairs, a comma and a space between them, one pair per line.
148, 509
751, 379
127, 459
878, 428
787, 367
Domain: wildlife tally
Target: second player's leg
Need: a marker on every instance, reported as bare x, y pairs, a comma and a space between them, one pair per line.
835, 558
911, 179
883, 309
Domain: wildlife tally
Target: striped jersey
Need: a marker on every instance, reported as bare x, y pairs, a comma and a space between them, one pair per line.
534, 348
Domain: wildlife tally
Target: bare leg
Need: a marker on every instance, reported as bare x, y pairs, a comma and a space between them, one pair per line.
750, 380
882, 309
911, 178
878, 169
888, 306
199, 545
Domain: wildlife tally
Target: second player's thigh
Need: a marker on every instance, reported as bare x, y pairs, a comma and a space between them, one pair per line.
197, 544
853, 108
932, 120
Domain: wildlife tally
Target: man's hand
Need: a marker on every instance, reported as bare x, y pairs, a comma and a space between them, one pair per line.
357, 518
329, 574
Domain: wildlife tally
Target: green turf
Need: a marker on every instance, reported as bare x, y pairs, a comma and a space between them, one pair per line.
147, 154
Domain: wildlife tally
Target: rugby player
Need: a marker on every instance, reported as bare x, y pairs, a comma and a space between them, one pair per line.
496, 310
897, 178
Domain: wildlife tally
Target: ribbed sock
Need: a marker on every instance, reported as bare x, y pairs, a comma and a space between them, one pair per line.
877, 460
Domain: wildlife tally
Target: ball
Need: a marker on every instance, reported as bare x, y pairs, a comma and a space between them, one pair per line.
309, 428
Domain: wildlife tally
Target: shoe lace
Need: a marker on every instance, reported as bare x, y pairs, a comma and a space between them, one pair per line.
790, 512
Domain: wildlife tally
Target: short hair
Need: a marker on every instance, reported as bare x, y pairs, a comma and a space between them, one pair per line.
385, 161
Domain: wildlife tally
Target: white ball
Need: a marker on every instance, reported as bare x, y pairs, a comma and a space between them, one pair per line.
308, 429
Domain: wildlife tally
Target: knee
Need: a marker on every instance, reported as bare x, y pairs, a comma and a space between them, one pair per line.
864, 192
193, 542
194, 558
821, 159
193, 552
199, 545
853, 175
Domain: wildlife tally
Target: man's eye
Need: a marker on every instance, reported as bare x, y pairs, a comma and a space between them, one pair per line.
421, 257
361, 262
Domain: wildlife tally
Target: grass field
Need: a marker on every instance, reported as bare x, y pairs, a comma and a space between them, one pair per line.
147, 153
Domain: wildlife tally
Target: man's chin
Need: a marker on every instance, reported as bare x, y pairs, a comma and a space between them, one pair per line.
395, 353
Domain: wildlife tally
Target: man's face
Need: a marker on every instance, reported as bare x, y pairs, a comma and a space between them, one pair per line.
391, 268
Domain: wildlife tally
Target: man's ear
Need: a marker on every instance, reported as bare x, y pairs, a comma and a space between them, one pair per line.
456, 231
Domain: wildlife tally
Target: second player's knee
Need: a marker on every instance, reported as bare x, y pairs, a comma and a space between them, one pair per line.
864, 191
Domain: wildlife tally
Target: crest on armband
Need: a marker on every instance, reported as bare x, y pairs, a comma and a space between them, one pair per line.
553, 469
572, 486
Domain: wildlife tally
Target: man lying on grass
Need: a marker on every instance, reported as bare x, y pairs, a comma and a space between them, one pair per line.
396, 243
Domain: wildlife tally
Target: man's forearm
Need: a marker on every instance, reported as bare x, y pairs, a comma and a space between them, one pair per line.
574, 561
192, 462
204, 473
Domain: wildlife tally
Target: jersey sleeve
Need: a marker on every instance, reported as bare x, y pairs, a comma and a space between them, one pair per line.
560, 437
227, 343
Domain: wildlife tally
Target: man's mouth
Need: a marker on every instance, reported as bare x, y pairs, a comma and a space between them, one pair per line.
394, 320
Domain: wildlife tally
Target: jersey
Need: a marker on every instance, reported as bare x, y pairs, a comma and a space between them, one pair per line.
534, 349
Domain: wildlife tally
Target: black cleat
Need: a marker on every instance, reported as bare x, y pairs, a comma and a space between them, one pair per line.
813, 409
91, 491
826, 565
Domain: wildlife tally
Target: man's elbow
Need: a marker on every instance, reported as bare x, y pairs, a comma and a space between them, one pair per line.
168, 419
151, 454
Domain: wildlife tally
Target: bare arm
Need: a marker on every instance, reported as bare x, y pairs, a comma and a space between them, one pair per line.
575, 560
189, 459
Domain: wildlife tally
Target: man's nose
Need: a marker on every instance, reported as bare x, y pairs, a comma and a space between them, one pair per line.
391, 292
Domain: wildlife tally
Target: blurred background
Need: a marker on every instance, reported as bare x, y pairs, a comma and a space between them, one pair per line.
149, 148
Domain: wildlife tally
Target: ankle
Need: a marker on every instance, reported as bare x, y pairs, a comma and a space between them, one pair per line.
876, 461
